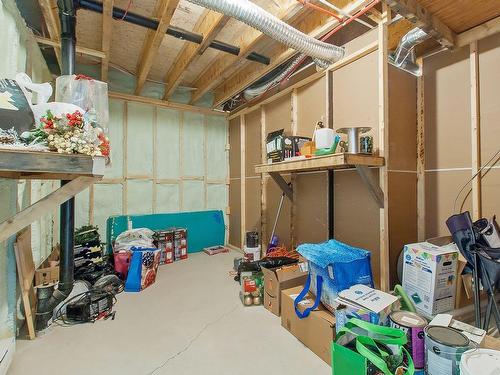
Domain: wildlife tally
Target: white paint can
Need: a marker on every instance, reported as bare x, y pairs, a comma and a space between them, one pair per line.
444, 347
252, 253
480, 361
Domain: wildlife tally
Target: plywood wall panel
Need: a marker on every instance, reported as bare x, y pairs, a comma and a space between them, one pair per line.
311, 210
140, 141
355, 95
311, 100
491, 193
252, 205
441, 188
252, 144
402, 215
447, 110
489, 84
235, 148
167, 143
278, 115
193, 145
357, 215
402, 120
235, 214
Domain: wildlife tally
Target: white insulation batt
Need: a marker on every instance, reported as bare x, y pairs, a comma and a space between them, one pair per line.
162, 160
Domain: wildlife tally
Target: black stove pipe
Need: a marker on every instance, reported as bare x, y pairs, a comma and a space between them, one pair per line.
47, 301
176, 32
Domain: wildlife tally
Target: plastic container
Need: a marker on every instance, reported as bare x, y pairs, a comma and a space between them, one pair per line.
324, 137
252, 253
480, 361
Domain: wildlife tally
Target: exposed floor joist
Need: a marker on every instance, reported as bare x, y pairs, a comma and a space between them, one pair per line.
421, 17
224, 66
50, 13
209, 26
107, 23
479, 32
316, 25
164, 12
78, 48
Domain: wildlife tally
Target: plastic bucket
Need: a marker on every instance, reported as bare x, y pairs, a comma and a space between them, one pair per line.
480, 361
324, 138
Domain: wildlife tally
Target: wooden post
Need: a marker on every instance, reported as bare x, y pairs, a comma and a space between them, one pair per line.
263, 182
243, 180
293, 178
475, 131
420, 156
383, 104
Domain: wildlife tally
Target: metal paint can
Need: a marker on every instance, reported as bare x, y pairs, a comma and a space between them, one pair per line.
444, 347
413, 325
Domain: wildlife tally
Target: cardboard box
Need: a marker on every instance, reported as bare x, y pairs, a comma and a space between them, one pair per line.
47, 275
278, 279
430, 276
317, 331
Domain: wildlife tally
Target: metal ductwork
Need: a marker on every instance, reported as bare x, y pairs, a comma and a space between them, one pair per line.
49, 298
404, 55
268, 24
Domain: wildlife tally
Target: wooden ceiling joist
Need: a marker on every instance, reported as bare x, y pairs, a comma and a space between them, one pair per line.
209, 25
422, 18
316, 25
226, 65
164, 12
107, 23
479, 32
50, 13
79, 49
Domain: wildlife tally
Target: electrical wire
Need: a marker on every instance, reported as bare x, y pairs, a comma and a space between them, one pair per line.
474, 176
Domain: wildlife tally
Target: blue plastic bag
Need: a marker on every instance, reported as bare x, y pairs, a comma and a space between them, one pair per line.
333, 267
143, 268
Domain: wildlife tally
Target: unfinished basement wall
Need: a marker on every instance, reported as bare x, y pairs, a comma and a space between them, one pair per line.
449, 133
20, 54
356, 220
162, 160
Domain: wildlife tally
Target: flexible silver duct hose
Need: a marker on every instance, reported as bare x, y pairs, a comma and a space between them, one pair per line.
404, 55
254, 91
273, 27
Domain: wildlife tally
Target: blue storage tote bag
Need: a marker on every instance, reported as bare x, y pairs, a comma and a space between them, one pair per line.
333, 267
143, 268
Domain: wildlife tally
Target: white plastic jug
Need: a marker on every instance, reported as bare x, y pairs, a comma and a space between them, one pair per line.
324, 137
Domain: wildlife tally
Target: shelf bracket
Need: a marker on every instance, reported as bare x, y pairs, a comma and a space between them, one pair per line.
47, 204
284, 186
371, 184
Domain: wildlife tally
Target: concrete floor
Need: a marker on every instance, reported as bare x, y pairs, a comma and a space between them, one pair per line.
189, 322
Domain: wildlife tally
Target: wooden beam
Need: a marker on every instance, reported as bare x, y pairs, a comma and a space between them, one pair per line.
383, 136
263, 182
209, 25
107, 24
421, 224
79, 49
316, 25
226, 65
209, 37
475, 123
242, 180
163, 103
421, 17
164, 12
45, 205
479, 32
50, 12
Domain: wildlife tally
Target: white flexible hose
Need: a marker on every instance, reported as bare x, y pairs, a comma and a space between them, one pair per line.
268, 24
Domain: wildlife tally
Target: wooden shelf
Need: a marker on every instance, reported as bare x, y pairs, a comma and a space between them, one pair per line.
22, 164
334, 161
359, 162
80, 171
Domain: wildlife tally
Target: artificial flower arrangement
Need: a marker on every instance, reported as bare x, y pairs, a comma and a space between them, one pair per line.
69, 133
